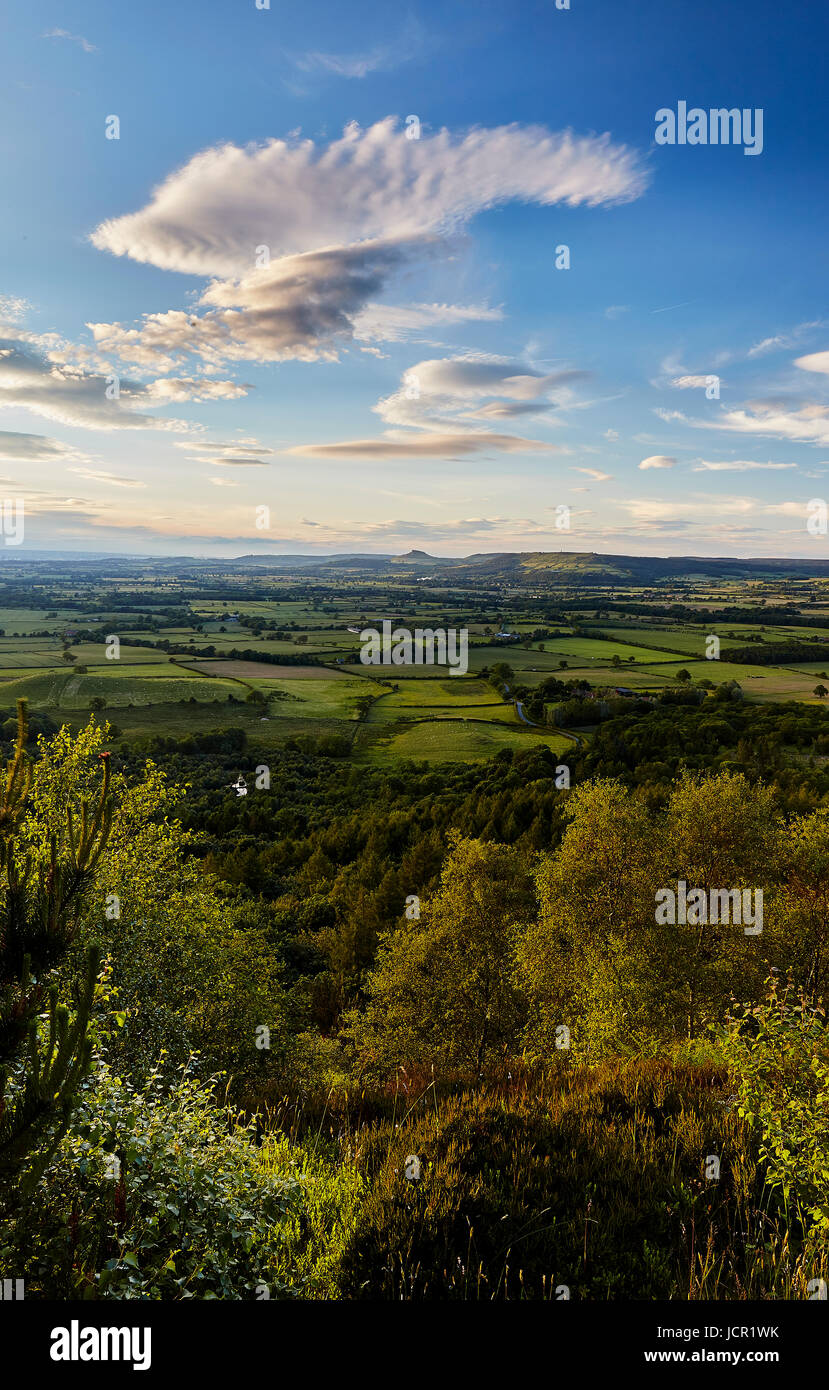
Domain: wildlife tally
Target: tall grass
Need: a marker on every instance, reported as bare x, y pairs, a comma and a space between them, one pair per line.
585, 1182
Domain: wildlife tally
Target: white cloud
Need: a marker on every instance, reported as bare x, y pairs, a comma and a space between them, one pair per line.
167, 389
498, 530
594, 473
777, 341
768, 345
239, 461
437, 409
338, 223
807, 423
425, 445
382, 58
476, 375
798, 509
737, 466
74, 38
658, 461
208, 218
300, 306
702, 507
392, 323
244, 453
346, 65
98, 475
34, 448
814, 362
475, 387
29, 381
13, 310
689, 383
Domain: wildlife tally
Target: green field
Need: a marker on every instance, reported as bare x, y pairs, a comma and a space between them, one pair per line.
315, 699
178, 721
757, 682
594, 651
184, 681
456, 741
60, 690
448, 695
692, 640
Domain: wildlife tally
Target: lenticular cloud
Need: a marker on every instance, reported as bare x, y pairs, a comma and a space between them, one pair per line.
207, 217
336, 224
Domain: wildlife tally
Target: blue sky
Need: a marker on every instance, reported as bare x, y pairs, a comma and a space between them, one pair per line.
263, 294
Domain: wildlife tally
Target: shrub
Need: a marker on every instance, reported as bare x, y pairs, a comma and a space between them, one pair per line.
779, 1050
160, 1193
592, 1179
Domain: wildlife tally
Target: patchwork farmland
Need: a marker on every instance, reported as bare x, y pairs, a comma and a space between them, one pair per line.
279, 658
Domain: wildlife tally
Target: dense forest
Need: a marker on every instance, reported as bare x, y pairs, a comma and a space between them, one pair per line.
418, 1033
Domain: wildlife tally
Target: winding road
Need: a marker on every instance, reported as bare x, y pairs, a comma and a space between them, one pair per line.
519, 710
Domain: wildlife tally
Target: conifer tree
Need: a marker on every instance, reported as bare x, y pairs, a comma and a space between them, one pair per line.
45, 1048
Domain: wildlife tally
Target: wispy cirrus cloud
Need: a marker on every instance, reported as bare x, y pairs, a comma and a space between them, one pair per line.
382, 57
737, 466
390, 323
243, 453
691, 382
73, 38
99, 475
800, 422
778, 342
595, 474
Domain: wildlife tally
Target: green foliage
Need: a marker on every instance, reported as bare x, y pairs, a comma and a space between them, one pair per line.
192, 971
583, 963
589, 1179
802, 903
592, 953
158, 1192
45, 1050
443, 991
779, 1050
547, 1169
598, 959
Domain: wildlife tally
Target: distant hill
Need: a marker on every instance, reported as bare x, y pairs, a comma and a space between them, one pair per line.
420, 557
532, 568
561, 567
